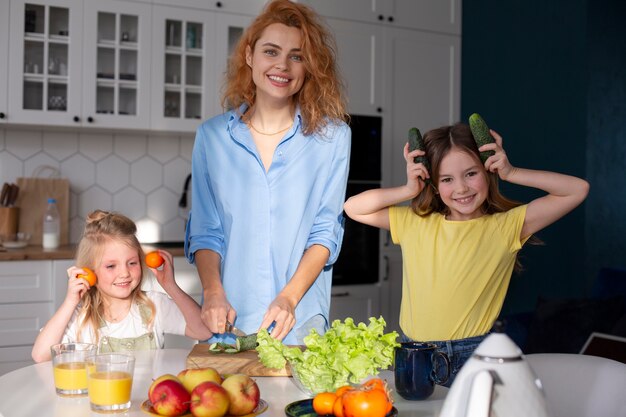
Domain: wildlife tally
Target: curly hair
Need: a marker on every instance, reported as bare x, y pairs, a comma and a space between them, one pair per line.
101, 228
322, 94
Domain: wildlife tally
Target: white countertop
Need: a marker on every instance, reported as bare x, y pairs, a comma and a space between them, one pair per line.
29, 391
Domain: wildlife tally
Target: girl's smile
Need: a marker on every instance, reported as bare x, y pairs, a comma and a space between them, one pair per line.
462, 185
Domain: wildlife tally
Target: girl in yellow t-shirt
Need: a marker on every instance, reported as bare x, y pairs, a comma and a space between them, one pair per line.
460, 236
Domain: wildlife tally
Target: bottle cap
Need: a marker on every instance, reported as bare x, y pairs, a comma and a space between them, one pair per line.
52, 200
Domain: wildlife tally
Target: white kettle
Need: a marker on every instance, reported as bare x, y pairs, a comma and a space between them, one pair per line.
496, 382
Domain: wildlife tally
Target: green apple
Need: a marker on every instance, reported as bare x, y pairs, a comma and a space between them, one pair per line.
191, 377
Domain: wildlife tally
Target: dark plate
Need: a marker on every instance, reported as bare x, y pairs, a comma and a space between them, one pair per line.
304, 408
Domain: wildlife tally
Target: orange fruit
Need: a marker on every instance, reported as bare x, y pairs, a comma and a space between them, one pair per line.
89, 276
341, 390
154, 259
338, 407
323, 403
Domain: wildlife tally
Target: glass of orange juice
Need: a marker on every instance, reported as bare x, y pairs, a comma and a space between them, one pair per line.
69, 365
109, 381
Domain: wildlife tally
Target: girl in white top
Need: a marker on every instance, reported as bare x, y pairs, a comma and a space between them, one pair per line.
115, 313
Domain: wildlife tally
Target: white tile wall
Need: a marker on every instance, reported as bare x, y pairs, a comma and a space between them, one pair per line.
139, 175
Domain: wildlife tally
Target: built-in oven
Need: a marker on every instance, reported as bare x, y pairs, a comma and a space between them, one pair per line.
358, 261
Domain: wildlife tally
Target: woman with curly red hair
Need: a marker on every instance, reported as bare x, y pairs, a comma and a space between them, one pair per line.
269, 179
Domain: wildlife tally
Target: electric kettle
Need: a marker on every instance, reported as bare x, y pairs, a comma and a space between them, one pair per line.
496, 382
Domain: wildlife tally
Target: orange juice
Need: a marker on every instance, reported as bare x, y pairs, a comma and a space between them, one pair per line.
70, 376
109, 388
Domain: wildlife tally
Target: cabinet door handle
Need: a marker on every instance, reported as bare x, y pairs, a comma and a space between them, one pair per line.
76, 119
381, 17
90, 119
218, 4
341, 294
2, 115
390, 18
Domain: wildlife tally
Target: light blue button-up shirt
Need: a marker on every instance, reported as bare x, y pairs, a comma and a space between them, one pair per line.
259, 222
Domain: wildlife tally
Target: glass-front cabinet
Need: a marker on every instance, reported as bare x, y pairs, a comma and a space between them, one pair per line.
183, 56
79, 63
45, 69
116, 64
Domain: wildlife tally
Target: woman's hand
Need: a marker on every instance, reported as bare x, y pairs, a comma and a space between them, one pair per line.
216, 311
416, 174
76, 287
282, 313
498, 162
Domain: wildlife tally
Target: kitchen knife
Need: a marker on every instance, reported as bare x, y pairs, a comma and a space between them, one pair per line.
4, 194
230, 328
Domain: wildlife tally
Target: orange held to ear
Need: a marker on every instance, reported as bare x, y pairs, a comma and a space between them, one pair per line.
154, 259
89, 276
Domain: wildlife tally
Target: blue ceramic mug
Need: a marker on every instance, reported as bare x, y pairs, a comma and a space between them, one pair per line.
417, 368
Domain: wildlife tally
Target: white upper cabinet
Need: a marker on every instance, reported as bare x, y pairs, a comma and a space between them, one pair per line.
247, 7
359, 50
4, 51
80, 63
116, 64
183, 57
432, 15
45, 69
423, 90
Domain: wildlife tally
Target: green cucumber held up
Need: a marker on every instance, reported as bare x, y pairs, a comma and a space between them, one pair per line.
481, 134
416, 142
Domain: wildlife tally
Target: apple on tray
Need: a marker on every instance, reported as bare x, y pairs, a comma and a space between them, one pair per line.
192, 377
243, 393
168, 396
209, 399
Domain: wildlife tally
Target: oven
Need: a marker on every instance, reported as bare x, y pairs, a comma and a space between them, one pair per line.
358, 261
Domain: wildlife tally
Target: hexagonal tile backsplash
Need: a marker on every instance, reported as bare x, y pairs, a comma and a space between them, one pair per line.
139, 175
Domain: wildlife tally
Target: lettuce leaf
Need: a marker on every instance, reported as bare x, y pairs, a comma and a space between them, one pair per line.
346, 353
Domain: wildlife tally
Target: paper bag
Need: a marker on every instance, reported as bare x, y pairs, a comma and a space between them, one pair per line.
33, 200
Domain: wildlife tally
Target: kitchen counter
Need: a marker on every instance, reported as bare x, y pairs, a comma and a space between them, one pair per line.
29, 391
36, 252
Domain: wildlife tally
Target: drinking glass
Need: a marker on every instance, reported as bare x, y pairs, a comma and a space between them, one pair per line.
69, 364
110, 381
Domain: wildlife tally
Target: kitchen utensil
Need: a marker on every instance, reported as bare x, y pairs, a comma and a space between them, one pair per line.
496, 380
246, 362
13, 193
230, 328
4, 194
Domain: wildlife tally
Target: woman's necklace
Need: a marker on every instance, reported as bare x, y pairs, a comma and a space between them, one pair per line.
268, 134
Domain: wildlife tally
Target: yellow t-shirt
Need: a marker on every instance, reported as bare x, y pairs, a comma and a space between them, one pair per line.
455, 273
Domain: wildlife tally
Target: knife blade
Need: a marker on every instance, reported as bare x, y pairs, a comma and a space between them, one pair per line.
3, 195
230, 328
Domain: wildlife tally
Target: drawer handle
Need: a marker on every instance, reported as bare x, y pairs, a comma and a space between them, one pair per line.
340, 294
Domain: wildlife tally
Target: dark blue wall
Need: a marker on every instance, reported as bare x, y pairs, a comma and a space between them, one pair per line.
525, 70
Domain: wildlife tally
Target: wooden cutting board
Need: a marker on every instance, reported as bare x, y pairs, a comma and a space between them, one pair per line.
246, 362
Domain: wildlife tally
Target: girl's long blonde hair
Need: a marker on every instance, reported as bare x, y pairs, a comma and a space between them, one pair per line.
321, 97
101, 228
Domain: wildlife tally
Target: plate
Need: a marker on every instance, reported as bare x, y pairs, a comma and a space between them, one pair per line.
146, 407
16, 244
304, 408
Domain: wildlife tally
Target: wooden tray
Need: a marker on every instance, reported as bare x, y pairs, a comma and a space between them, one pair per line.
246, 362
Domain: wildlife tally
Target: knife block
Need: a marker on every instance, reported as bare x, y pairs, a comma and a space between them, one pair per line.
9, 219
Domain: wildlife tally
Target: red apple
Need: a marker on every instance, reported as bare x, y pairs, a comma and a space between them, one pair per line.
159, 379
209, 399
170, 398
193, 376
243, 393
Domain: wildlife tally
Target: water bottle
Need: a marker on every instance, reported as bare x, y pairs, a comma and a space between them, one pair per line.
51, 226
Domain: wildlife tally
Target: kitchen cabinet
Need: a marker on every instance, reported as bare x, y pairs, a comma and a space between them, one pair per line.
4, 51
357, 301
422, 88
247, 7
45, 69
26, 304
190, 56
430, 15
80, 63
360, 61
183, 57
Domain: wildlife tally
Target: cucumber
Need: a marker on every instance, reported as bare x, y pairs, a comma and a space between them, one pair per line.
481, 134
416, 142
